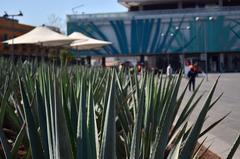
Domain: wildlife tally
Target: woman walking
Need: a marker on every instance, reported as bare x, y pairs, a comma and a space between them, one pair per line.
192, 78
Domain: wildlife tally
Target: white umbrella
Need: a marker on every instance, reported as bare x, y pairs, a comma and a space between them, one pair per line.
86, 43
41, 36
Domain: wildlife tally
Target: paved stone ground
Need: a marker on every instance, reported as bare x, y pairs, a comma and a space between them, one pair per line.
223, 136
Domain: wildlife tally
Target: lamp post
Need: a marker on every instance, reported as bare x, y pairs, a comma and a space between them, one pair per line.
6, 15
210, 18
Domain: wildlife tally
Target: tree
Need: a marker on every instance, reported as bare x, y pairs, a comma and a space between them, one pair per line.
56, 22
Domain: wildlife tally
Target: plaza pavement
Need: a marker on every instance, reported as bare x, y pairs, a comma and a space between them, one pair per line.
223, 136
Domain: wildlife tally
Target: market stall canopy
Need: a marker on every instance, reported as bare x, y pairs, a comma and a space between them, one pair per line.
41, 36
86, 43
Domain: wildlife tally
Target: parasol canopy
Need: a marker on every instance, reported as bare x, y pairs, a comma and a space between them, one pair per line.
86, 43
41, 36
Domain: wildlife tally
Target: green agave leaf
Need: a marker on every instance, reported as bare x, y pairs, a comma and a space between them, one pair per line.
213, 125
196, 153
136, 138
51, 109
179, 102
124, 114
206, 150
165, 89
176, 136
44, 84
104, 104
11, 114
161, 140
70, 112
42, 120
33, 136
175, 152
63, 147
81, 127
3, 108
92, 128
185, 115
99, 85
234, 148
108, 146
74, 111
188, 148
5, 145
123, 110
215, 101
149, 115
3, 102
188, 108
82, 136
18, 141
158, 104
134, 83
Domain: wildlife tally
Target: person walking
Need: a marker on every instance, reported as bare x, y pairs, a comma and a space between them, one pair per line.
169, 71
192, 78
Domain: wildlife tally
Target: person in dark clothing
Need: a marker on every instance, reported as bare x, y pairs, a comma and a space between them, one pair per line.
192, 78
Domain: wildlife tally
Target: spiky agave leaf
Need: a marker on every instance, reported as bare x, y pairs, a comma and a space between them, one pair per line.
137, 130
33, 136
234, 148
5, 145
161, 139
108, 143
188, 148
91, 125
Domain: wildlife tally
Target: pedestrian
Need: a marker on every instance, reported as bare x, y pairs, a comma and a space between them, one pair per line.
139, 67
192, 78
169, 71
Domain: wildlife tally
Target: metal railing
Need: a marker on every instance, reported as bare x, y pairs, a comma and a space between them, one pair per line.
193, 12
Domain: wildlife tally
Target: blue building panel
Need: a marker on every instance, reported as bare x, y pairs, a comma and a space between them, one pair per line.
149, 33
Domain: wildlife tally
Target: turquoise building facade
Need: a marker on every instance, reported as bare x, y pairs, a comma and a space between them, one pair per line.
202, 35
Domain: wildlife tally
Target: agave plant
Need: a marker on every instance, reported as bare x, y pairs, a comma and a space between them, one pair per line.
98, 113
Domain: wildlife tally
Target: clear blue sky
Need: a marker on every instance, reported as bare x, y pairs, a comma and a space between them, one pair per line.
37, 12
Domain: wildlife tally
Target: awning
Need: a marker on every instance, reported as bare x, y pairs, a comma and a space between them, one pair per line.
86, 43
42, 36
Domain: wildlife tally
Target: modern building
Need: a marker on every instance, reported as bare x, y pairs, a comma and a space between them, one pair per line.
206, 32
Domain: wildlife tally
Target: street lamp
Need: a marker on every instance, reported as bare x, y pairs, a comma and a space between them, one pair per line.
210, 18
6, 15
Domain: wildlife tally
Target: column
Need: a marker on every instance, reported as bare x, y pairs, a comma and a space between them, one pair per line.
221, 62
142, 59
89, 60
103, 61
